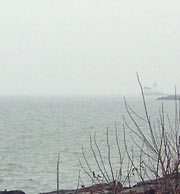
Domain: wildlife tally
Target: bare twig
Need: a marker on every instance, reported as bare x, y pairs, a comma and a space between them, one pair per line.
58, 173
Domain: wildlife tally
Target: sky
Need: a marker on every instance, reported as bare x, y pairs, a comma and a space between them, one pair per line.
88, 47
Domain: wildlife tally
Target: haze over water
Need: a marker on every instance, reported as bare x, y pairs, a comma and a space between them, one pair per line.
92, 47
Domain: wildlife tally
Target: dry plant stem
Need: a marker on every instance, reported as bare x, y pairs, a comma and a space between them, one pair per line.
157, 151
147, 115
141, 135
153, 146
163, 149
93, 181
58, 174
161, 158
131, 159
121, 158
150, 166
145, 108
79, 178
135, 113
177, 122
97, 162
139, 147
141, 161
87, 163
136, 133
109, 156
176, 114
129, 172
102, 162
169, 123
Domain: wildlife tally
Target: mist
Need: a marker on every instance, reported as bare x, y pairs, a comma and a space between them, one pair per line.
88, 47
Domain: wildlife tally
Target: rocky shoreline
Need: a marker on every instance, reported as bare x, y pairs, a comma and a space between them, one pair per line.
108, 189
160, 185
165, 185
99, 188
146, 187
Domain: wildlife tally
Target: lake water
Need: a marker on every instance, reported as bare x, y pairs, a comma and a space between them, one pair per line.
33, 131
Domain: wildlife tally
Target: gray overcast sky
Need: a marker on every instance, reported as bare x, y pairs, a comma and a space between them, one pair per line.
88, 46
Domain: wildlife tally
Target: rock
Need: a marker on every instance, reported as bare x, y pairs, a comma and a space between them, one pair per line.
165, 185
97, 188
12, 192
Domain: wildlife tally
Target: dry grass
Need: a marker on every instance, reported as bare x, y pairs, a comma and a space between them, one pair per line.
157, 158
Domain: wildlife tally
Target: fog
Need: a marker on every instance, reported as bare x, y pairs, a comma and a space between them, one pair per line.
88, 47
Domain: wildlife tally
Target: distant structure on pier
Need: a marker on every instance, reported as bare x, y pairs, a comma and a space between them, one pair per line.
152, 91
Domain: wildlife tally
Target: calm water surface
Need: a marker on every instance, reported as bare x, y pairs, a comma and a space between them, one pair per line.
34, 130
